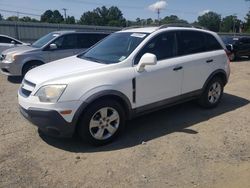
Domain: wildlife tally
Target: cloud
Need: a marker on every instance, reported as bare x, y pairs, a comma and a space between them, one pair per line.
158, 5
204, 12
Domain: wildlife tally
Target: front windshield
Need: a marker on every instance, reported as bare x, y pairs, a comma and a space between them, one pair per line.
44, 40
115, 48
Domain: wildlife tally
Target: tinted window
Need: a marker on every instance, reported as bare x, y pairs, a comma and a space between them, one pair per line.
5, 40
88, 40
66, 42
212, 43
245, 40
163, 46
191, 42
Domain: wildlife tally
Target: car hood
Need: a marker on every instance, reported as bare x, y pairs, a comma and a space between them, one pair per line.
19, 50
61, 69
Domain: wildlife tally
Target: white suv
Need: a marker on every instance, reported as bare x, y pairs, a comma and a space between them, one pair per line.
131, 72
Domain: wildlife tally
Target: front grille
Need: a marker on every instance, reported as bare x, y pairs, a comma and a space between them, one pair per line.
26, 93
27, 88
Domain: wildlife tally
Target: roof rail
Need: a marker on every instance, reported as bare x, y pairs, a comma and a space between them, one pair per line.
132, 27
180, 25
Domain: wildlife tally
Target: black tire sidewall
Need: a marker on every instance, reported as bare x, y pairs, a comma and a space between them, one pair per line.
204, 102
83, 124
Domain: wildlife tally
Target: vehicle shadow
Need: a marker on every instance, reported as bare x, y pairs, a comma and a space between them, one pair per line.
15, 79
145, 128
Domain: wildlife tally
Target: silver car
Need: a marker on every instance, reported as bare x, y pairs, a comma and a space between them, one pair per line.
7, 42
53, 46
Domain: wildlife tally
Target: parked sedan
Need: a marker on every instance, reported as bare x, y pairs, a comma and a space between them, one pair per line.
238, 45
7, 42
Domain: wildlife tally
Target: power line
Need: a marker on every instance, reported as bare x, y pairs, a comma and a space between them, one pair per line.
22, 13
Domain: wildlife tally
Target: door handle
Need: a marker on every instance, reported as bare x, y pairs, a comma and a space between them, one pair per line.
177, 68
209, 61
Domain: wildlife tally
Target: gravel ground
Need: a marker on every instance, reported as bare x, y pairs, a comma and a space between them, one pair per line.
182, 146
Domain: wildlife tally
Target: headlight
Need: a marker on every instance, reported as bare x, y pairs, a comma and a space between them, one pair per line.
10, 58
50, 93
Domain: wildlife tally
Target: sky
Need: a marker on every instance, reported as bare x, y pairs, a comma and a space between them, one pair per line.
184, 9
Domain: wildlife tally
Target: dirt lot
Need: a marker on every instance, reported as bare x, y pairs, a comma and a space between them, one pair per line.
183, 146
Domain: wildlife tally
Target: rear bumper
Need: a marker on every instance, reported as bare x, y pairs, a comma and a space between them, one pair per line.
49, 121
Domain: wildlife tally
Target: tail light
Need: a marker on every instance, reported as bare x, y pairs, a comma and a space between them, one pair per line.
228, 55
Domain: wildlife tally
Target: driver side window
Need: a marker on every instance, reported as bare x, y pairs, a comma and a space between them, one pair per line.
163, 46
66, 42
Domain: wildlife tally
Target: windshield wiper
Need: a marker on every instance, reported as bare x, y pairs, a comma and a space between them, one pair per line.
92, 59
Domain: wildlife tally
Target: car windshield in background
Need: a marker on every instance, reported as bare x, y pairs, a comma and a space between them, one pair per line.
115, 48
229, 40
44, 40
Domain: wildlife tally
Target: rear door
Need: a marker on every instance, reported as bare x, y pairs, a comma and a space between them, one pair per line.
201, 54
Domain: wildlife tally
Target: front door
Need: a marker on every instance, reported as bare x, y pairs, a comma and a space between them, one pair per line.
66, 46
163, 80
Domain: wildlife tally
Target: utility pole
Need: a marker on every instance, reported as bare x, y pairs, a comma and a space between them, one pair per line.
65, 13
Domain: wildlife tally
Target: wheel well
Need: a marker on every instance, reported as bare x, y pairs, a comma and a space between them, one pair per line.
222, 76
33, 62
119, 99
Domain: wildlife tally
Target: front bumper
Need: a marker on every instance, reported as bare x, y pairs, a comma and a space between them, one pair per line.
10, 69
49, 121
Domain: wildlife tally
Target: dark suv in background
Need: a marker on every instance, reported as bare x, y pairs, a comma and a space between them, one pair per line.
238, 46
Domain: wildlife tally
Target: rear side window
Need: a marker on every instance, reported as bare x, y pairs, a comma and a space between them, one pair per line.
212, 43
163, 46
245, 40
87, 40
191, 42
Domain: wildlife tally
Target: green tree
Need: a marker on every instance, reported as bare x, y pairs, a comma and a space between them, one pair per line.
90, 18
103, 16
210, 20
28, 19
52, 16
247, 23
172, 19
230, 24
70, 20
12, 18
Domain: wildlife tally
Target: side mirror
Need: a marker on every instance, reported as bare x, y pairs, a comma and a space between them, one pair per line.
229, 47
146, 59
52, 46
13, 42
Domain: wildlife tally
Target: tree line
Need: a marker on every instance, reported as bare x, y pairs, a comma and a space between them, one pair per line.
113, 16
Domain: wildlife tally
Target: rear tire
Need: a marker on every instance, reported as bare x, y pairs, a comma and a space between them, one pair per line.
212, 95
102, 122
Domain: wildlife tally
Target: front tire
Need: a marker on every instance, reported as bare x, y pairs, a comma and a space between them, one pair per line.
102, 122
212, 95
28, 66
